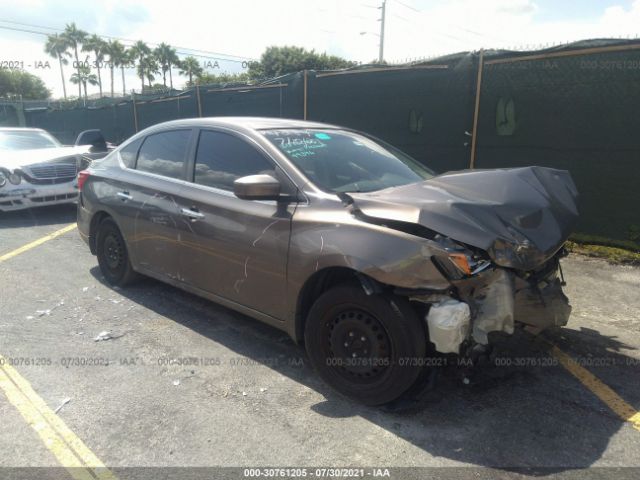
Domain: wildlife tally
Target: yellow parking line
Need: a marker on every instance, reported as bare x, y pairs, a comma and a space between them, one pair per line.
35, 243
625, 411
69, 450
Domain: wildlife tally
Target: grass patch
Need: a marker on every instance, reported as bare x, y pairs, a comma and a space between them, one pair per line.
584, 239
611, 254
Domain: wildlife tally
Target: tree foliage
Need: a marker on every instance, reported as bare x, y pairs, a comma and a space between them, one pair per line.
98, 46
167, 58
191, 67
56, 47
213, 78
148, 62
16, 83
74, 38
277, 61
83, 77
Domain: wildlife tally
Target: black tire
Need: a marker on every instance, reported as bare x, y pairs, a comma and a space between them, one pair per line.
382, 330
113, 256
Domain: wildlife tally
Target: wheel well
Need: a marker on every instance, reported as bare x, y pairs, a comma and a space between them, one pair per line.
95, 221
315, 286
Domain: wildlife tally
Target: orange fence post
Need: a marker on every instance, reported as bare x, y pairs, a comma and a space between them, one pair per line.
474, 134
135, 111
304, 116
199, 102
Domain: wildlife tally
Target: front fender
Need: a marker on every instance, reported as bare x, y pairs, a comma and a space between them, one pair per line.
389, 256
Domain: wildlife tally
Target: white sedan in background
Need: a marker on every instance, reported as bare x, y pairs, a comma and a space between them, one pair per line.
37, 170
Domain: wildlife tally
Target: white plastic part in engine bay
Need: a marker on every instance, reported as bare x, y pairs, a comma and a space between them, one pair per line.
449, 323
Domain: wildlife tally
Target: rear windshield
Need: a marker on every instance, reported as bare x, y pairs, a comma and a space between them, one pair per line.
25, 140
341, 161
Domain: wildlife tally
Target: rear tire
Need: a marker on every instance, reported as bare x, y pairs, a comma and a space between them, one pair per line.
113, 256
367, 347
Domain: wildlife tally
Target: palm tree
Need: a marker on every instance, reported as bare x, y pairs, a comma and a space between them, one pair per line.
127, 59
84, 76
147, 68
98, 46
173, 61
190, 67
166, 57
74, 38
141, 51
56, 47
114, 50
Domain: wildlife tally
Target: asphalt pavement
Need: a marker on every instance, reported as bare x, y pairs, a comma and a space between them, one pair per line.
150, 376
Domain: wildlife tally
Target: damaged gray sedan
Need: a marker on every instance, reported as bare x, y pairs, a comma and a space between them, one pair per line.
349, 245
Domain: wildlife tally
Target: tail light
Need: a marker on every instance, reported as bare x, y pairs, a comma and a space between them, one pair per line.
82, 177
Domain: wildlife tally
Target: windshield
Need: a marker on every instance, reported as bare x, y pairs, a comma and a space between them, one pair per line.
340, 161
26, 140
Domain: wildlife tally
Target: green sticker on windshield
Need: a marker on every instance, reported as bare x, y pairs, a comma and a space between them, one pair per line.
322, 136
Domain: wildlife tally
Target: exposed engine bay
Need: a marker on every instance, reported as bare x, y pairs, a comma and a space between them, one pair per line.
496, 300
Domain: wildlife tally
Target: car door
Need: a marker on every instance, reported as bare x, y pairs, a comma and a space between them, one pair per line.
160, 172
234, 248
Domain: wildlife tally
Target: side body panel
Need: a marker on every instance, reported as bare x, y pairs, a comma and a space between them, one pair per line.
237, 249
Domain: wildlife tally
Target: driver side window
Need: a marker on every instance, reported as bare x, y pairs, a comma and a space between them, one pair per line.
222, 158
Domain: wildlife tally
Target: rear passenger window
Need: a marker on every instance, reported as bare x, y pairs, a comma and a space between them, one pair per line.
164, 153
129, 153
222, 158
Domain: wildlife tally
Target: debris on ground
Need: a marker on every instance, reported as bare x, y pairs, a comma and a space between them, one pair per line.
176, 382
85, 289
103, 336
47, 311
263, 389
64, 402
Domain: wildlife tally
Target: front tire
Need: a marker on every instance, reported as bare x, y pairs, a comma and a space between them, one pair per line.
367, 347
113, 256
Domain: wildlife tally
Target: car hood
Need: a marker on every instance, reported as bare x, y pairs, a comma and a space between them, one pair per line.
521, 216
13, 159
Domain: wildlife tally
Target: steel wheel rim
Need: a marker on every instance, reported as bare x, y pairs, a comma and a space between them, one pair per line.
113, 252
358, 346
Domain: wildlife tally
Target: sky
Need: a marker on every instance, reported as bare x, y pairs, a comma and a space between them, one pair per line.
225, 34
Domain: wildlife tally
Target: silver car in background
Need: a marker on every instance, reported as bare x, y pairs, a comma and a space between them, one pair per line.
37, 170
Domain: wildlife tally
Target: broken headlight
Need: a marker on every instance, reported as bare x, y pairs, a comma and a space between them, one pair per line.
520, 254
459, 262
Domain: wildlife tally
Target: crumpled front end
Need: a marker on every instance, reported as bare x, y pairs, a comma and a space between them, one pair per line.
496, 236
498, 300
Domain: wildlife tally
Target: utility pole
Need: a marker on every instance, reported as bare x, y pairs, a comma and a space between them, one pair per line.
383, 8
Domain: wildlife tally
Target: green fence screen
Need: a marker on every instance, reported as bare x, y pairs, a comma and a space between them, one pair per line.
573, 107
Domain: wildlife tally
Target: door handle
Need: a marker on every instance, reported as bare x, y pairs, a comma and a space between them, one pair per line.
193, 214
124, 195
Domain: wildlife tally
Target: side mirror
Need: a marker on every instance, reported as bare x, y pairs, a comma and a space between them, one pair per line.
93, 138
257, 187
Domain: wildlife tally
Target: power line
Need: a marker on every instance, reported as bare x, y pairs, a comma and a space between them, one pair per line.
181, 50
408, 6
473, 32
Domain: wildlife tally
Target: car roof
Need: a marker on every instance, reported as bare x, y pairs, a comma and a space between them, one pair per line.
251, 123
